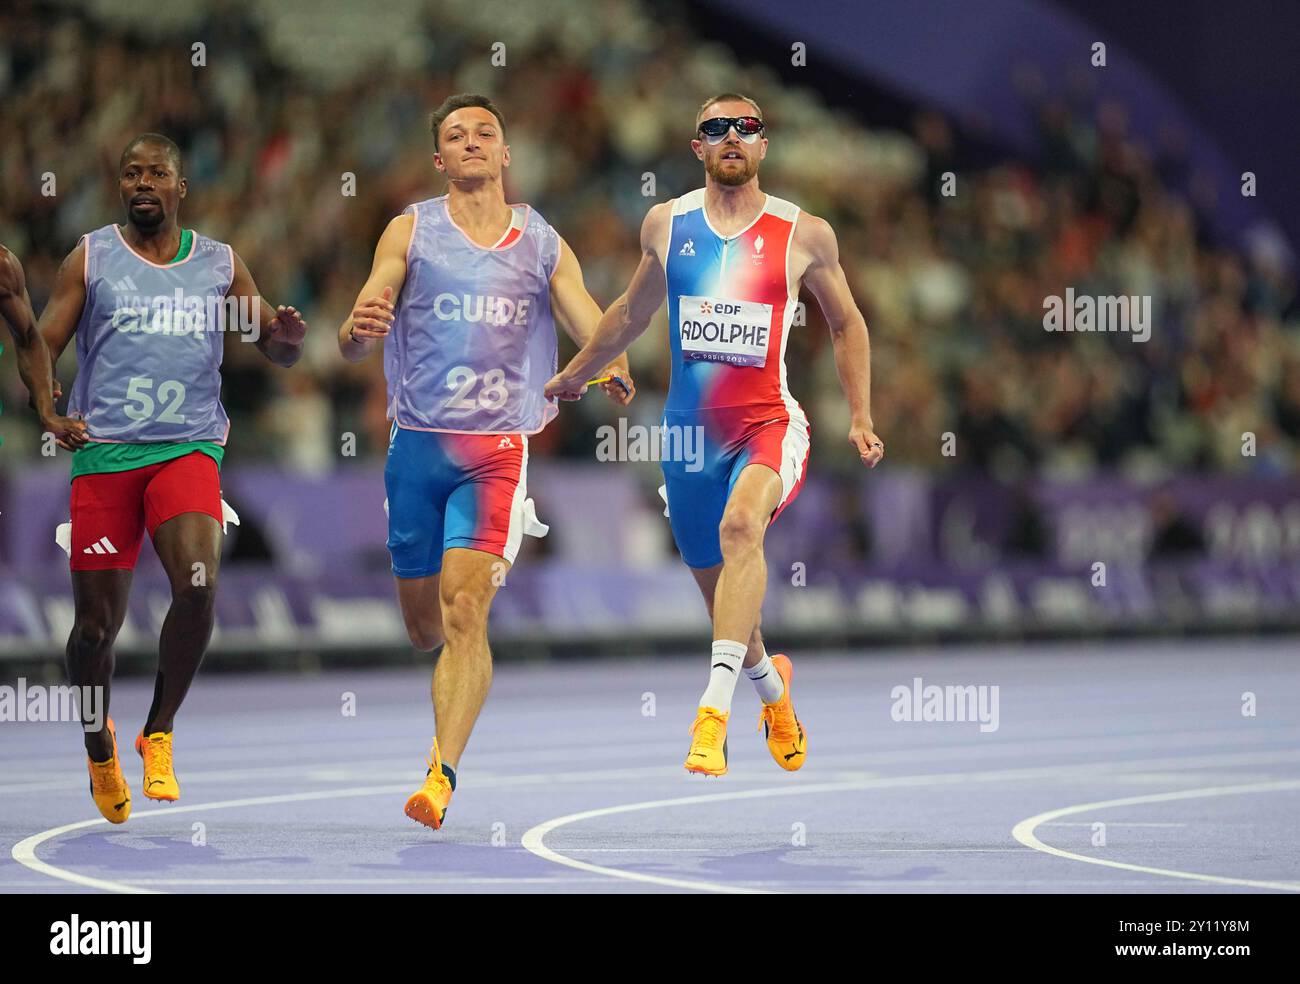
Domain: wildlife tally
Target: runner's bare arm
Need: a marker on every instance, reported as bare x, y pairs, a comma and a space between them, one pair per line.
825, 278
578, 314
627, 317
59, 319
57, 325
280, 330
34, 364
33, 355
372, 315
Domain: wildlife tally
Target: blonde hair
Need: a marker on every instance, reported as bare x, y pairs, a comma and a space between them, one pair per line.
725, 97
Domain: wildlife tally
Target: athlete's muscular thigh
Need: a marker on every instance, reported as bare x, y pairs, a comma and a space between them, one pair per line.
189, 546
182, 507
100, 602
754, 497
470, 579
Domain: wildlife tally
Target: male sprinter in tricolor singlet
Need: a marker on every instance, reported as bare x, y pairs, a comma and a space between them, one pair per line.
147, 302
479, 288
731, 260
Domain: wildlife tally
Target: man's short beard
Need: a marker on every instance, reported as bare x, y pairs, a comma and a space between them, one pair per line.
148, 221
732, 179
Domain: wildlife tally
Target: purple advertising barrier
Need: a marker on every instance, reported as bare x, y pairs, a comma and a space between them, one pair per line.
899, 511
971, 521
814, 529
978, 522
261, 611
312, 519
35, 501
20, 616
1065, 557
586, 506
1248, 519
1254, 521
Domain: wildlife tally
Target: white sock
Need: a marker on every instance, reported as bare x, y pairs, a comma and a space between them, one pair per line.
766, 680
723, 671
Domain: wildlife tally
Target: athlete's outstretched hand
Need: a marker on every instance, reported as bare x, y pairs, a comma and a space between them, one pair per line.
619, 387
288, 326
69, 432
563, 387
373, 317
869, 447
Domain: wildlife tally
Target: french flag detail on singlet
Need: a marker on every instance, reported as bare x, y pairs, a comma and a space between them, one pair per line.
731, 303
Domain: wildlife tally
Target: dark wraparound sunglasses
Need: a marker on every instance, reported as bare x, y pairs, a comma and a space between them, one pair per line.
747, 128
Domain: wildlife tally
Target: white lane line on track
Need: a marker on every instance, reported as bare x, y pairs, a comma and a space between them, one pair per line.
534, 838
1024, 831
472, 880
24, 852
1109, 823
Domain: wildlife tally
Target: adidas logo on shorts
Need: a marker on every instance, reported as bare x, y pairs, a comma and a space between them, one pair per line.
101, 546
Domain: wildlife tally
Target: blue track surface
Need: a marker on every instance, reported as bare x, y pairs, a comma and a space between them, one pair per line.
569, 786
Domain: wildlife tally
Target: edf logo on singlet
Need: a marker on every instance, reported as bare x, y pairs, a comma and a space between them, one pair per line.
724, 330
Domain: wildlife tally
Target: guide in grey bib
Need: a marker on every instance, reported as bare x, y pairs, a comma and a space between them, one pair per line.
473, 340
149, 343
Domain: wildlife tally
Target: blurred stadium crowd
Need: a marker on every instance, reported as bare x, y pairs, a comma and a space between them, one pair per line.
599, 99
